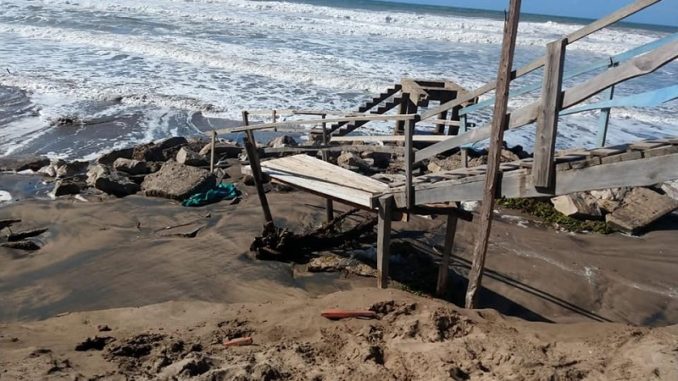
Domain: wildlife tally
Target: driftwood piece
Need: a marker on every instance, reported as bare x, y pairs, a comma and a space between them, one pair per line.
283, 245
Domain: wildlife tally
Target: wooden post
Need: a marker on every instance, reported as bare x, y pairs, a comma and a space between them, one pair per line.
440, 129
409, 162
604, 118
384, 239
499, 124
403, 108
464, 152
326, 157
544, 168
213, 145
251, 148
275, 119
447, 251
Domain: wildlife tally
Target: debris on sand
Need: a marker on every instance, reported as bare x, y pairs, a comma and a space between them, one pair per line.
95, 343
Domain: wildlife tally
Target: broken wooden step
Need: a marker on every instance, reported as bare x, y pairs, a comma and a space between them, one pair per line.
640, 208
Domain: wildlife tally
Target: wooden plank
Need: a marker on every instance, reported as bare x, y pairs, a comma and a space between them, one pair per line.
293, 123
384, 239
638, 66
213, 144
608, 151
641, 146
443, 268
547, 121
499, 124
516, 184
539, 62
253, 157
335, 148
311, 168
630, 155
388, 138
640, 208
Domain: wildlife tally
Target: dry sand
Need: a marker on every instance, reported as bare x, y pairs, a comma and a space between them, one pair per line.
169, 300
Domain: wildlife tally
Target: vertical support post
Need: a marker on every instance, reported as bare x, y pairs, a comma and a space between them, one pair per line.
464, 152
404, 105
454, 130
275, 119
409, 162
384, 239
543, 169
213, 145
604, 118
329, 204
443, 269
253, 156
440, 128
499, 124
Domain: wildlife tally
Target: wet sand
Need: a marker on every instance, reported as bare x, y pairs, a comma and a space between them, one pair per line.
117, 254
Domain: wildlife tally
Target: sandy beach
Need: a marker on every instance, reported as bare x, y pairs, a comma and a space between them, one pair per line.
128, 264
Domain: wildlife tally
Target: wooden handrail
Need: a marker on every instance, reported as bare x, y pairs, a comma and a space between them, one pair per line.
636, 67
539, 62
263, 126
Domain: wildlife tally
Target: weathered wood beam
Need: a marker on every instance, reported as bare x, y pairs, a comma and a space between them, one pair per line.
636, 67
539, 62
329, 205
499, 124
443, 268
518, 183
253, 157
543, 169
384, 239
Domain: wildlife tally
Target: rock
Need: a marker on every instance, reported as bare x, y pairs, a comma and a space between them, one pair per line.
111, 157
641, 207
579, 205
22, 163
381, 159
670, 188
71, 169
22, 235
283, 141
50, 170
350, 159
249, 180
470, 206
177, 181
222, 150
188, 157
612, 194
8, 222
508, 156
64, 187
111, 182
96, 343
21, 245
158, 151
447, 164
131, 166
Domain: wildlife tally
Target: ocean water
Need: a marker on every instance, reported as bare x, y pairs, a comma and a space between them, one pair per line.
135, 71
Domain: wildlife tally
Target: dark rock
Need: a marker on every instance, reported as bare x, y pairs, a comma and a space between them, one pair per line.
71, 169
222, 150
350, 159
172, 142
22, 163
21, 245
96, 343
249, 180
160, 151
66, 187
283, 141
103, 328
8, 222
189, 157
20, 236
111, 157
177, 181
111, 182
381, 159
130, 166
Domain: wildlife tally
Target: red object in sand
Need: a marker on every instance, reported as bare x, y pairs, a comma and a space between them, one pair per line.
337, 313
238, 342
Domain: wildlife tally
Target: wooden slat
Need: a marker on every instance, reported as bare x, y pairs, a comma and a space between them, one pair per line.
547, 120
638, 66
389, 138
539, 62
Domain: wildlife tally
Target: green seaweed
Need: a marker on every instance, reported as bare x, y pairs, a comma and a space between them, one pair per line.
545, 211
